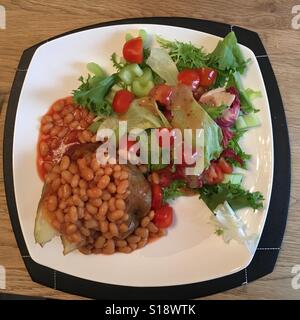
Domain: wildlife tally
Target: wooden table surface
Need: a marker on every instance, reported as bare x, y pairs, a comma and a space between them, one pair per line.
29, 22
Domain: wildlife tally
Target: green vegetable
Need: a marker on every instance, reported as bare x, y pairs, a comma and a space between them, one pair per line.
91, 94
173, 190
247, 121
252, 94
128, 73
234, 145
95, 69
94, 126
128, 36
185, 55
141, 89
118, 63
234, 194
162, 64
214, 112
227, 55
143, 34
234, 178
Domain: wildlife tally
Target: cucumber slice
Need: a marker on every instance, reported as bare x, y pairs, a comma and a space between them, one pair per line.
240, 123
234, 178
141, 89
135, 69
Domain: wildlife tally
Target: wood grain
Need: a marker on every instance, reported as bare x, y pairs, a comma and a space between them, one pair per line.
29, 22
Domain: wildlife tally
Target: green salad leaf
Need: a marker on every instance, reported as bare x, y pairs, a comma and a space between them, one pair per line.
214, 112
185, 55
234, 145
173, 190
91, 94
234, 194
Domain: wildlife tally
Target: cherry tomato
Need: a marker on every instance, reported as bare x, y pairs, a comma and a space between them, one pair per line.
157, 196
190, 77
165, 132
165, 177
162, 94
122, 101
214, 174
224, 165
207, 76
133, 50
163, 217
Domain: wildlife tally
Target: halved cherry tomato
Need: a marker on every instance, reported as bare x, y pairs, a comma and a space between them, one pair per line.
133, 50
190, 77
162, 94
224, 165
214, 174
165, 132
157, 196
207, 76
122, 100
163, 217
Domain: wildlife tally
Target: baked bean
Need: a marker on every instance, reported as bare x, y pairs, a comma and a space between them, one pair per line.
121, 243
117, 174
115, 215
109, 247
124, 175
54, 143
142, 243
66, 191
87, 216
46, 118
85, 250
82, 184
54, 131
73, 214
47, 127
70, 202
103, 182
117, 168
87, 173
142, 232
91, 209
94, 193
65, 162
152, 227
107, 235
44, 149
113, 229
77, 201
50, 177
123, 227
85, 231
58, 106
145, 221
96, 202
56, 169
112, 187
126, 249
122, 187
67, 217
80, 212
99, 243
73, 168
133, 239
56, 117
155, 177
111, 204
47, 166
62, 132
103, 209
105, 196
52, 203
62, 205
151, 215
55, 184
81, 163
67, 175
59, 216
95, 165
86, 135
68, 118
125, 217
108, 171
94, 138
120, 204
91, 224
74, 124
55, 224
76, 237
103, 226
75, 180
133, 246
71, 228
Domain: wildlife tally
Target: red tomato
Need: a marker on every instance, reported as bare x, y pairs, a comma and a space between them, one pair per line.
163, 217
214, 174
122, 100
165, 132
133, 50
189, 77
207, 76
162, 94
224, 165
157, 196
165, 177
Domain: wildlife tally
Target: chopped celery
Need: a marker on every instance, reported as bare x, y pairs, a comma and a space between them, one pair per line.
141, 89
234, 178
95, 69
